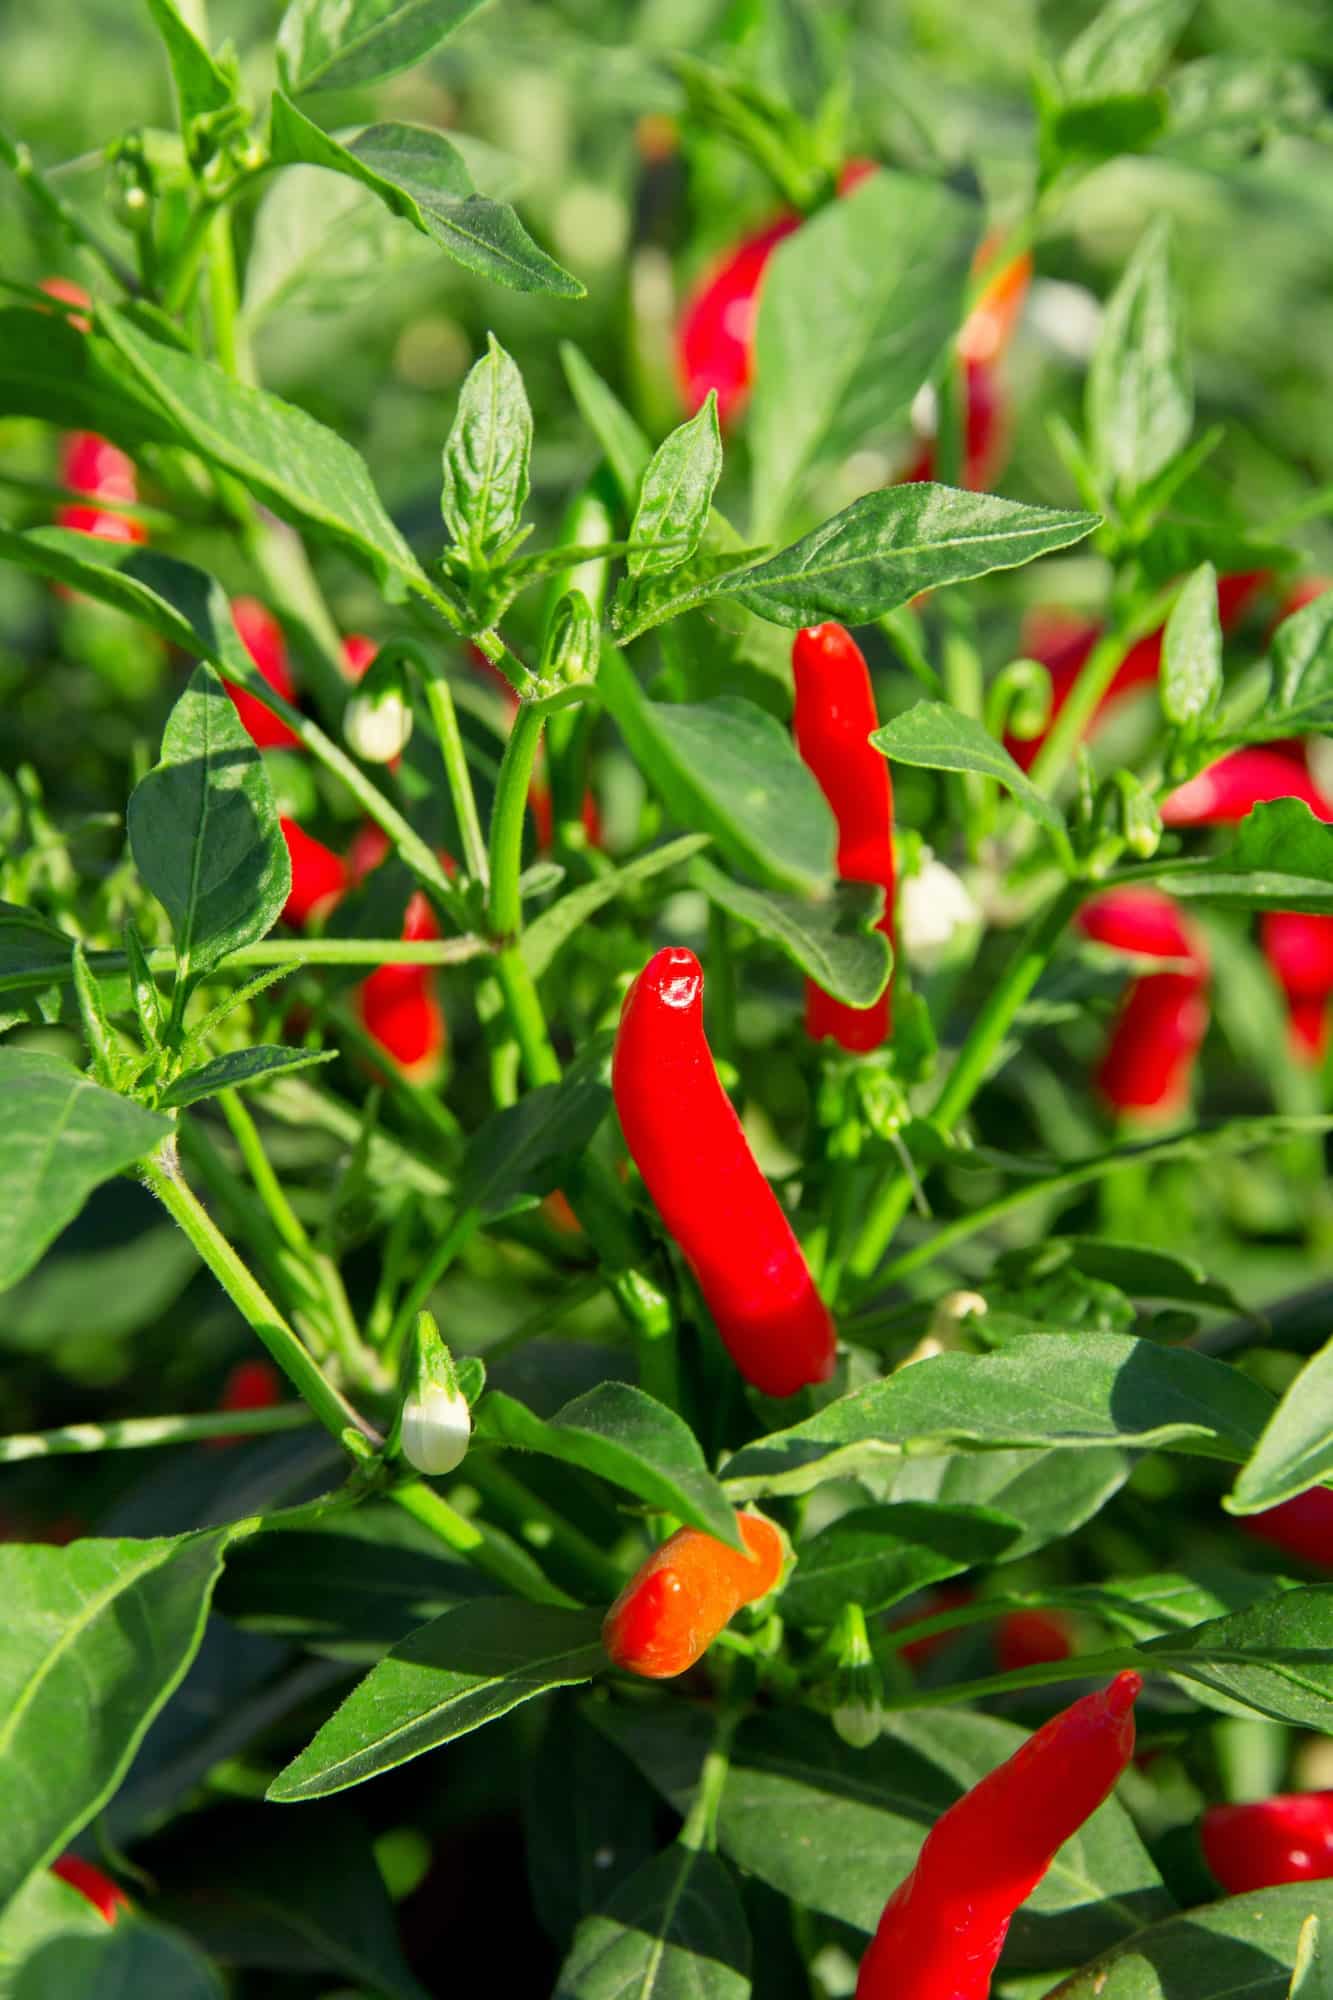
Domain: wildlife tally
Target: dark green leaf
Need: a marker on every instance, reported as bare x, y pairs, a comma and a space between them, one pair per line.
854, 313
545, 936
835, 943
48, 368
28, 943
620, 1434
1245, 1945
62, 1136
201, 86
99, 1630
589, 1820
421, 177
940, 738
451, 1676
1147, 1273
486, 458
1140, 399
1296, 1449
1100, 128
204, 831
1281, 859
57, 1953
1191, 676
1275, 1656
306, 473
874, 1556
676, 495
515, 1157
329, 44
1049, 1493
727, 769
674, 1931
239, 1067
1043, 1389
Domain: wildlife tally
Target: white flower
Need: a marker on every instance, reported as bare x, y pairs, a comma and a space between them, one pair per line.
377, 723
934, 905
436, 1429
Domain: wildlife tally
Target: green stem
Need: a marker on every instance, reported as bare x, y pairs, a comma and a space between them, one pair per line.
1056, 754
440, 701
974, 1063
18, 158
511, 801
497, 1485
507, 1566
298, 953
141, 1433
259, 1167
233, 348
1077, 1667
901, 630
524, 1008
699, 1832
460, 1230
162, 1174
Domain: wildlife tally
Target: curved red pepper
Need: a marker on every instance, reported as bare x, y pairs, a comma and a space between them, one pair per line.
319, 876
833, 719
687, 1142
943, 1929
715, 340
1230, 789
1288, 1838
676, 1603
106, 1897
262, 638
1301, 1527
1163, 1018
1299, 947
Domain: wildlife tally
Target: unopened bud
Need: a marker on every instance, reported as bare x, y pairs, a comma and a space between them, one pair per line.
377, 721
573, 646
856, 1694
435, 1425
934, 906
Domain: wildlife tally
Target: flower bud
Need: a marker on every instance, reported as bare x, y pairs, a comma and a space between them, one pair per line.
435, 1423
377, 721
573, 644
856, 1692
934, 908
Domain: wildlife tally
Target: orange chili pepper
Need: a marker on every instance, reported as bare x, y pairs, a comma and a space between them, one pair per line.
676, 1603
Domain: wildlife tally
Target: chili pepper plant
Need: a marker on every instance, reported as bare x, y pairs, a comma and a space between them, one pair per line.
666, 882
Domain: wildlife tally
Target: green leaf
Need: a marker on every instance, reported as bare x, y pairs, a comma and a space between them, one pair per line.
201, 85
1124, 46
727, 769
486, 458
45, 1919
855, 311
1296, 1449
204, 831
1230, 105
1041, 1390
329, 44
1140, 399
940, 738
54, 1945
589, 1820
1146, 1273
49, 369
451, 1676
1312, 1974
1099, 128
62, 1136
620, 1434
421, 177
1049, 1494
890, 545
1275, 1655
874, 1556
323, 245
237, 1068
547, 934
306, 473
1302, 652
621, 438
188, 607
101, 1630
676, 495
516, 1156
835, 943
1202, 1954
28, 943
1191, 676
674, 1931
834, 1828
1281, 859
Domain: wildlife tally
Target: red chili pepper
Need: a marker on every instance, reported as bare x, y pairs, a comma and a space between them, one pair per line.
1284, 1839
1299, 948
73, 295
106, 1897
714, 344
834, 716
405, 1017
687, 1142
1157, 1034
359, 651
676, 1603
1230, 789
319, 876
1300, 1527
1303, 593
943, 1929
1031, 1639
93, 465
251, 1385
262, 637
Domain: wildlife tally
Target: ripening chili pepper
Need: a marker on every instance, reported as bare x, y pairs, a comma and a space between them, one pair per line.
262, 637
833, 718
106, 1896
1302, 1526
251, 1385
687, 1142
676, 1603
1031, 1639
1299, 948
1230, 789
1288, 1838
399, 1005
944, 1927
1149, 1058
94, 466
319, 876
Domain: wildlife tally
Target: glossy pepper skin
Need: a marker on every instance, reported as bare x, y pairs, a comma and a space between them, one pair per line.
1149, 1059
1284, 1839
106, 1897
944, 1927
833, 719
686, 1140
676, 1603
